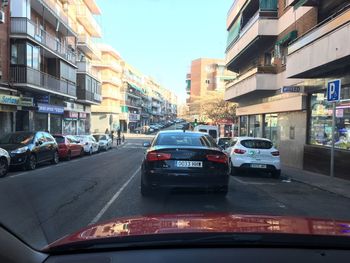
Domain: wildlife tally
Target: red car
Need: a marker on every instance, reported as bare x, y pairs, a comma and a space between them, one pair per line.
68, 147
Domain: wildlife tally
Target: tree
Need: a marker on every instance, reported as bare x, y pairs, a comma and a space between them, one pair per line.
213, 107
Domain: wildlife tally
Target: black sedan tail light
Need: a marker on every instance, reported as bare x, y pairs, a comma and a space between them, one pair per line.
217, 158
157, 156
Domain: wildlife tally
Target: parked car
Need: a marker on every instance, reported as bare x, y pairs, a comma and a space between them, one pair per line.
247, 153
213, 131
177, 159
104, 141
4, 162
223, 142
68, 147
27, 149
90, 144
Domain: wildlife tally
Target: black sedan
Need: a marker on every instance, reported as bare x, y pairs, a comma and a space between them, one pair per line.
178, 159
27, 149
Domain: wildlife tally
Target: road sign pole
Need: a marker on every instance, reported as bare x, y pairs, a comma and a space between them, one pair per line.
333, 140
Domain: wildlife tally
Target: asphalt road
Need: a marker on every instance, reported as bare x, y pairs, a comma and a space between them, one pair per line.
62, 199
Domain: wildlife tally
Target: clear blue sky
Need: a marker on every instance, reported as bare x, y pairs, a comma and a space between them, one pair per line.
162, 37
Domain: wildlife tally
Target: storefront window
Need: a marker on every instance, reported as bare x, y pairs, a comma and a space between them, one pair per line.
255, 126
70, 127
243, 125
320, 130
55, 124
270, 127
81, 126
41, 122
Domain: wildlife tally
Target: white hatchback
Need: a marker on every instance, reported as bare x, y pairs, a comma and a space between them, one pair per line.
254, 154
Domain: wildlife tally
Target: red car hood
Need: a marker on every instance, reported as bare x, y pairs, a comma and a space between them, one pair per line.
207, 223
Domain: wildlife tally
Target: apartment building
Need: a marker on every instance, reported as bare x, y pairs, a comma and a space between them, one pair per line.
317, 56
259, 33
108, 115
206, 80
40, 66
270, 48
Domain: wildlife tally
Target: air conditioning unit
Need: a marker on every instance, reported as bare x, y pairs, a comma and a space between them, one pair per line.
2, 17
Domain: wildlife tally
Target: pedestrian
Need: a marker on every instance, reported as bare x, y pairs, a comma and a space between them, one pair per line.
112, 137
118, 137
107, 131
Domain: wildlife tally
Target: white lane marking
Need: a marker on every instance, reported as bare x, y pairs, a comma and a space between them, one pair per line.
15, 175
114, 197
252, 183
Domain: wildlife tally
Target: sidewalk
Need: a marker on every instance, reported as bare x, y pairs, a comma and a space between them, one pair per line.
334, 185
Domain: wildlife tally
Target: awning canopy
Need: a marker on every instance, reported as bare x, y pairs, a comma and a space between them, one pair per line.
136, 87
287, 38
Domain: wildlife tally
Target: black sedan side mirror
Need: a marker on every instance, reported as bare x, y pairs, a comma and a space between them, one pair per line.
146, 144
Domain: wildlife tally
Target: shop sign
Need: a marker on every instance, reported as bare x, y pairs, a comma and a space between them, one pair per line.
71, 114
292, 89
47, 108
82, 115
9, 100
42, 99
339, 113
26, 101
134, 117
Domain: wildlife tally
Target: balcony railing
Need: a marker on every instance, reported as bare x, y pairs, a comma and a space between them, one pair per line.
89, 96
91, 47
25, 75
129, 102
24, 26
87, 19
86, 67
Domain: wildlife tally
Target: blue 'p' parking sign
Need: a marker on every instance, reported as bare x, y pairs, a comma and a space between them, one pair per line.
333, 90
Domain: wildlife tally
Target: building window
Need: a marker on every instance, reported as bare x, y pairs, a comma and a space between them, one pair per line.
320, 129
243, 126
18, 52
270, 127
207, 81
33, 57
267, 59
255, 126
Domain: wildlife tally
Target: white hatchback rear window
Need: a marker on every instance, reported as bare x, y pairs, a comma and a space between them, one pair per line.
257, 144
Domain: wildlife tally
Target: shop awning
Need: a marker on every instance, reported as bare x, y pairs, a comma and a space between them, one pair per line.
136, 87
287, 38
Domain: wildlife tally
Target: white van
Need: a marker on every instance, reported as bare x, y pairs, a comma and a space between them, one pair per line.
213, 131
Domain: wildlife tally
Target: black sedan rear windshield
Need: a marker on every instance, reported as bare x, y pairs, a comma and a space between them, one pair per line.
257, 144
17, 138
185, 139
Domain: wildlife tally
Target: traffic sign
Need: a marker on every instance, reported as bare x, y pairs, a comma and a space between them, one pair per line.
333, 90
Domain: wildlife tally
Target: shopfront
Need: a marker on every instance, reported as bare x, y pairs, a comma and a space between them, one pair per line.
70, 122
49, 118
319, 139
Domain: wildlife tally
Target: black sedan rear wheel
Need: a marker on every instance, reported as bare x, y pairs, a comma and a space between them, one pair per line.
3, 167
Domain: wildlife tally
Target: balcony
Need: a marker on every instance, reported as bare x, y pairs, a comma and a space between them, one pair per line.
85, 17
132, 103
258, 33
86, 67
92, 5
112, 80
298, 3
256, 80
55, 13
110, 64
88, 47
235, 9
37, 80
88, 96
23, 27
322, 52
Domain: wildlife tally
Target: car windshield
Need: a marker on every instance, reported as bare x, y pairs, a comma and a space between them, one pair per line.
59, 139
173, 117
256, 144
17, 138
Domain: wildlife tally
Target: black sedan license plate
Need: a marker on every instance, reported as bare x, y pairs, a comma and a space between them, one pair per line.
195, 164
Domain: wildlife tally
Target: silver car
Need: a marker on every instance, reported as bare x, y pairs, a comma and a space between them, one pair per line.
104, 141
4, 162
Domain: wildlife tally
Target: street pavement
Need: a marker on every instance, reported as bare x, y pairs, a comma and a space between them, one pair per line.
64, 198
